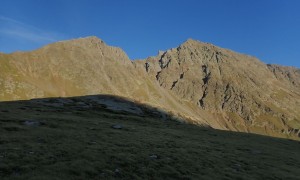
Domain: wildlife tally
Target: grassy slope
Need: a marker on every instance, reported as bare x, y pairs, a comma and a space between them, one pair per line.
78, 143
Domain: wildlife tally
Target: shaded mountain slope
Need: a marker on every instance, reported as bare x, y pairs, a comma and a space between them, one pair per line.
87, 138
199, 82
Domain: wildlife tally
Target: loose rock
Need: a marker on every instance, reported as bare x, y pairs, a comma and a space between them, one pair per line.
32, 123
117, 126
153, 156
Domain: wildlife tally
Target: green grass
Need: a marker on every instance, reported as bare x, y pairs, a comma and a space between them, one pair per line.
74, 143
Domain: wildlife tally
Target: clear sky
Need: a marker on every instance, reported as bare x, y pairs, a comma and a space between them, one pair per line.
267, 29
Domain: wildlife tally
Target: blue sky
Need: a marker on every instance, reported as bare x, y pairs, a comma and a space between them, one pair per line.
267, 29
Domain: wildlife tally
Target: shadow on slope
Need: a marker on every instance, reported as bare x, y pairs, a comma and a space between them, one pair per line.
108, 137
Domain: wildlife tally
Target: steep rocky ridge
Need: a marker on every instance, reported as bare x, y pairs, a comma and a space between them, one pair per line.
196, 81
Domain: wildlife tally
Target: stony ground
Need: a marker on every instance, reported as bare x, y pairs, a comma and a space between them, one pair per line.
80, 138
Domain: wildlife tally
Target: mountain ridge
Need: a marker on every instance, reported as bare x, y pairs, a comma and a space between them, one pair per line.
188, 40
198, 81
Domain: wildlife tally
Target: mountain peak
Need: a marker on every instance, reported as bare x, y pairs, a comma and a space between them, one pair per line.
91, 38
88, 39
190, 41
193, 43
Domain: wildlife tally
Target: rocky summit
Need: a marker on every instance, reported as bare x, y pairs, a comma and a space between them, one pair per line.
196, 82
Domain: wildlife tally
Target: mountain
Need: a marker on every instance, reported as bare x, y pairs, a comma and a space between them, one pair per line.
247, 94
196, 82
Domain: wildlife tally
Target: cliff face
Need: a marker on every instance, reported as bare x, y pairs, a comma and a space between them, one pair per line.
198, 81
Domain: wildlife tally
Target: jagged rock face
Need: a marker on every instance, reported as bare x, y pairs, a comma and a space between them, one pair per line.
197, 81
247, 93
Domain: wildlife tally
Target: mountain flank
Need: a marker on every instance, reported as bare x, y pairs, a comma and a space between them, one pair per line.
196, 82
